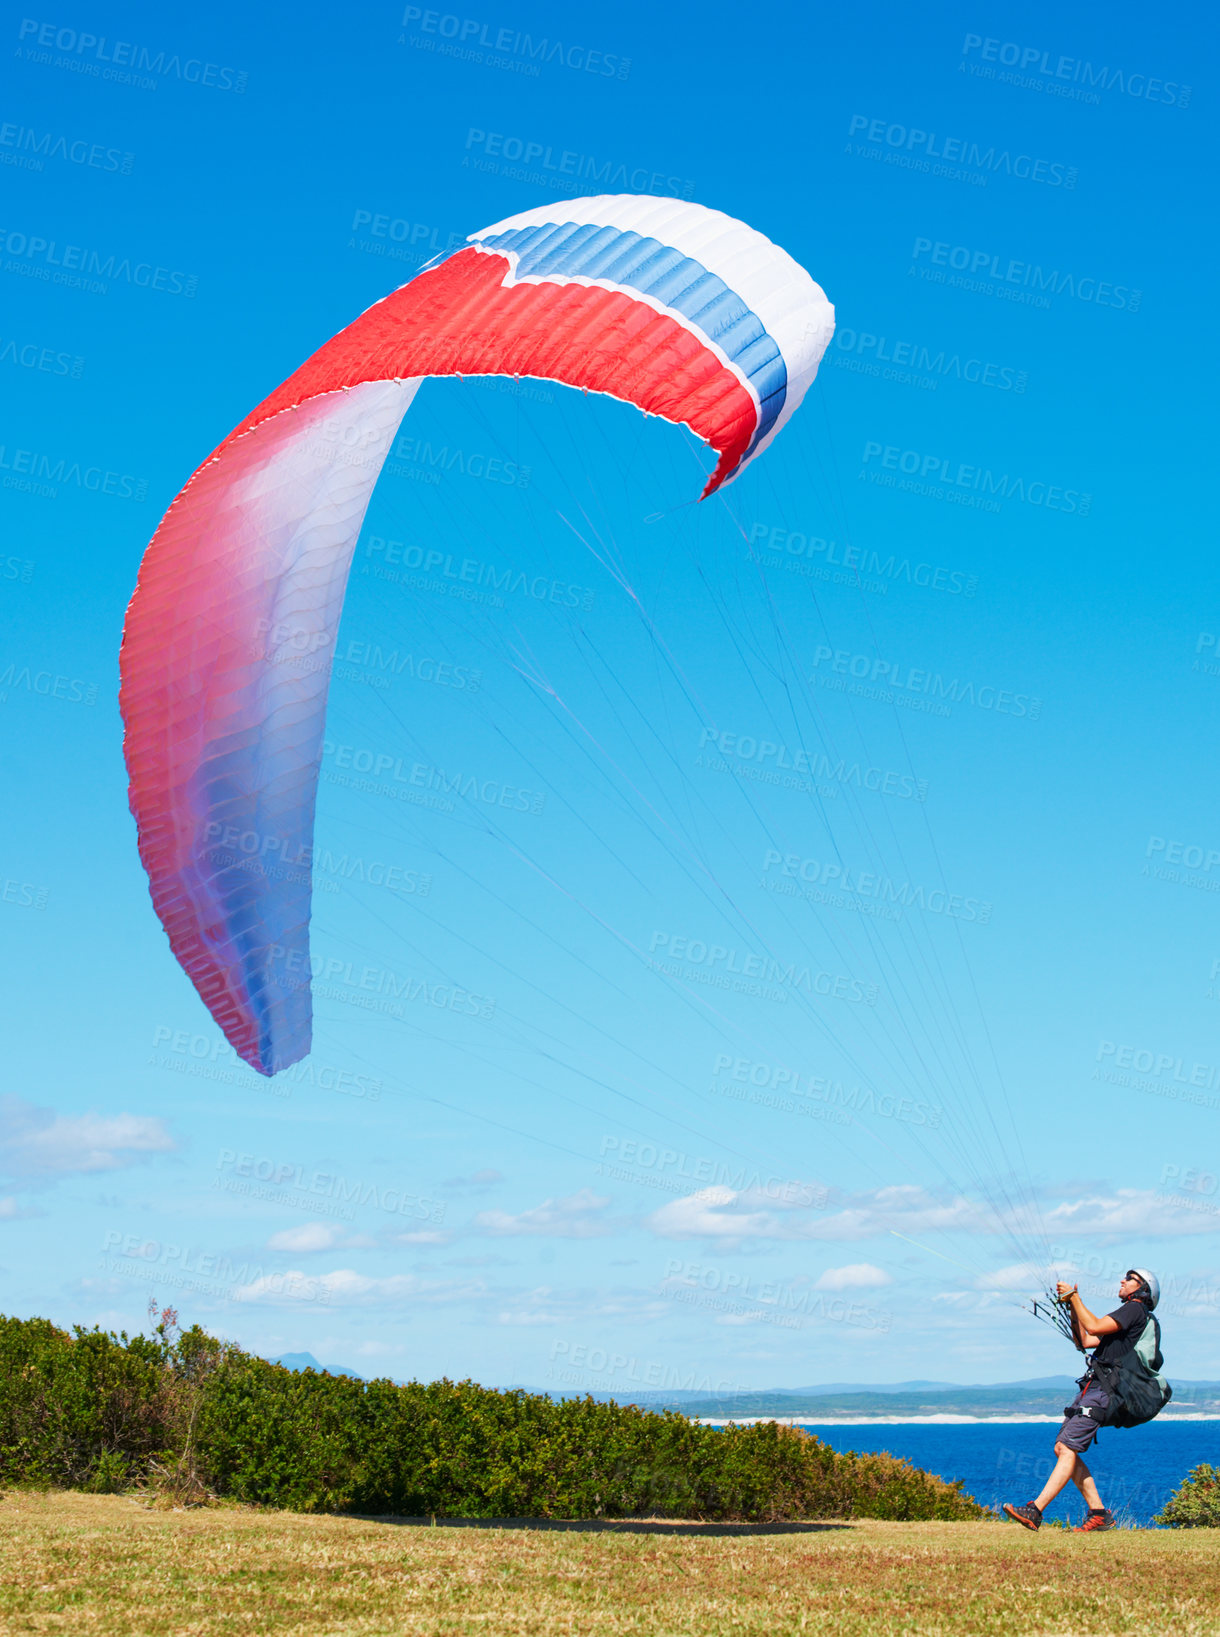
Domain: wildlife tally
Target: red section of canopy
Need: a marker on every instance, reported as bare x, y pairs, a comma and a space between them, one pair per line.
459, 319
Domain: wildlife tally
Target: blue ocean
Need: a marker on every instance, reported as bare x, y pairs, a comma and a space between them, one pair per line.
1136, 1469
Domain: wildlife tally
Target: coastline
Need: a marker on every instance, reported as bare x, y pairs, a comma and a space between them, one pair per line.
910, 1420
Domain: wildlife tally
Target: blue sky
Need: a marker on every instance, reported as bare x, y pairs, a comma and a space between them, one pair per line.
542, 1137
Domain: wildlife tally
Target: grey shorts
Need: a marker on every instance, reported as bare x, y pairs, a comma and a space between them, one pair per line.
1079, 1431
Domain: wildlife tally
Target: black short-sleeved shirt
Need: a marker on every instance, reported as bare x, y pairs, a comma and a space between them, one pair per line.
1131, 1317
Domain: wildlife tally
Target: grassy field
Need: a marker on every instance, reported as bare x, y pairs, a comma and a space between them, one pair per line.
109, 1567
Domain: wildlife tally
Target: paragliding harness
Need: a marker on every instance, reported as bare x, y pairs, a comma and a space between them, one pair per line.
1138, 1391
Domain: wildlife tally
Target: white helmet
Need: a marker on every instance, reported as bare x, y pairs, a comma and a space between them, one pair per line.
1151, 1282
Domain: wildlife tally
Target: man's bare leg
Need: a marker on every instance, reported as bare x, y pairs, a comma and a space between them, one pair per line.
1064, 1468
1083, 1479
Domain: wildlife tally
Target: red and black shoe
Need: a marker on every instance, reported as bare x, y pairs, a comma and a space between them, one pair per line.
1028, 1516
1096, 1520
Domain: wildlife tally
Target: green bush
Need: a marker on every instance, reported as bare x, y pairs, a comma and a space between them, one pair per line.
82, 1411
1196, 1504
186, 1414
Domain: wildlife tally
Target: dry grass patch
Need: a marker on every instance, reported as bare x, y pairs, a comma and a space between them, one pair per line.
109, 1567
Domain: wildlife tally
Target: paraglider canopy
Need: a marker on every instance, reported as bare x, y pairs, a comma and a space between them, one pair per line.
675, 308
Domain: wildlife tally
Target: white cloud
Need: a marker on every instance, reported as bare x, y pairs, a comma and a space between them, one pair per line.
318, 1236
12, 1211
724, 1214
479, 1180
309, 1236
903, 1207
855, 1276
578, 1216
1023, 1277
534, 1316
545, 1305
1124, 1212
1130, 1212
713, 1213
293, 1286
344, 1287
38, 1142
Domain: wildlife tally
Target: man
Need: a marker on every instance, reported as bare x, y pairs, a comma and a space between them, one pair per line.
1108, 1338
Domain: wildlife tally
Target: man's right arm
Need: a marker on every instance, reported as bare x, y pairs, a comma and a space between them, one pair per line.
1084, 1339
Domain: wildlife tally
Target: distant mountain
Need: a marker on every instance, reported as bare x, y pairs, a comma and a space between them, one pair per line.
849, 1401
1043, 1396
682, 1395
306, 1361
940, 1400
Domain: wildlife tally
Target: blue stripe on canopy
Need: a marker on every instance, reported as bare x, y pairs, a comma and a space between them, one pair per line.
617, 256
